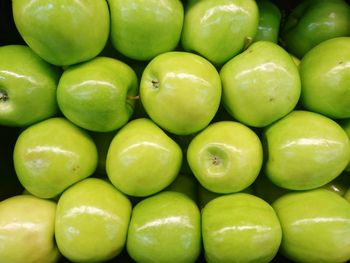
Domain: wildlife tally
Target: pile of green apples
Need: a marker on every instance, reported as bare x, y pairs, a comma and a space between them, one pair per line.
175, 131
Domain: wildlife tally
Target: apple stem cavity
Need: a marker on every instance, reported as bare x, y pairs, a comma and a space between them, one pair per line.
3, 96
216, 160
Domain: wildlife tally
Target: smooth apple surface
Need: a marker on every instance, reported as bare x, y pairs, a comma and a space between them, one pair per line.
314, 21
315, 226
165, 228
225, 157
63, 32
98, 95
347, 195
27, 230
51, 155
27, 87
305, 150
180, 92
92, 220
218, 29
325, 77
260, 85
142, 30
142, 159
240, 228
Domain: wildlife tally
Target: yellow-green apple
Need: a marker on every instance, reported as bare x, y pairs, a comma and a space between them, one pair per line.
165, 228
240, 227
305, 150
27, 87
269, 21
225, 157
63, 32
219, 29
314, 21
325, 77
347, 195
180, 91
92, 221
260, 85
142, 159
98, 95
51, 155
315, 226
27, 226
142, 30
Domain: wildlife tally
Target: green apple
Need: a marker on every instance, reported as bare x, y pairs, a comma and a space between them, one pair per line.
240, 228
142, 30
218, 29
27, 87
63, 32
165, 228
92, 220
314, 21
98, 95
186, 184
345, 124
225, 157
315, 226
347, 195
260, 85
142, 159
51, 155
269, 21
27, 230
180, 92
325, 76
305, 150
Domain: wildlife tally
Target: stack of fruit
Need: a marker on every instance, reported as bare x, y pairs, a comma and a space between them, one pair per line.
175, 131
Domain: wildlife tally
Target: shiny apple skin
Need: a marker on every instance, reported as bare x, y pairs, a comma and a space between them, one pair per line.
92, 220
315, 225
165, 228
51, 155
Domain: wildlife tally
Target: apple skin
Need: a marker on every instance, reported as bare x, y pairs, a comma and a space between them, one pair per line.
315, 226
269, 21
225, 157
180, 92
347, 195
165, 228
161, 23
96, 95
345, 124
218, 29
305, 150
27, 230
185, 184
92, 221
260, 85
314, 21
240, 228
325, 76
63, 32
142, 159
51, 155
28, 87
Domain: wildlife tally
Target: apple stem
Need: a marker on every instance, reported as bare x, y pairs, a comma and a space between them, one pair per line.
136, 97
248, 41
3, 96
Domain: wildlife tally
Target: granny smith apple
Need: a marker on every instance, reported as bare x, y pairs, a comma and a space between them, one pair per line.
165, 228
240, 228
98, 95
269, 21
305, 150
92, 220
218, 29
314, 21
142, 30
27, 87
325, 76
63, 32
225, 157
180, 91
345, 124
51, 155
315, 226
142, 159
27, 230
186, 184
260, 85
